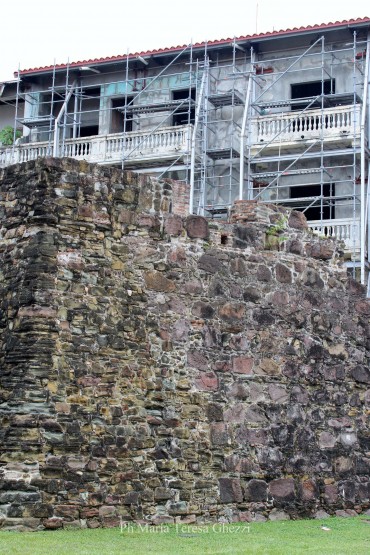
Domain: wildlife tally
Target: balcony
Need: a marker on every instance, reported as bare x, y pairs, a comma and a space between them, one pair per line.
345, 229
136, 149
340, 125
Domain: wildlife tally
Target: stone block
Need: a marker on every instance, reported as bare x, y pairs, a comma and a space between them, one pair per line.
361, 374
67, 512
209, 264
173, 225
53, 523
231, 312
230, 490
283, 273
156, 281
196, 227
256, 491
243, 365
297, 220
207, 381
282, 489
219, 433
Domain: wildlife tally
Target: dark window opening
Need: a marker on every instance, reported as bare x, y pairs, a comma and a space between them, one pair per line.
185, 113
309, 90
92, 92
50, 105
308, 194
89, 130
121, 121
224, 239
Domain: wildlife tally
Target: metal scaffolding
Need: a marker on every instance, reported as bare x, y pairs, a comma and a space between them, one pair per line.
313, 173
233, 123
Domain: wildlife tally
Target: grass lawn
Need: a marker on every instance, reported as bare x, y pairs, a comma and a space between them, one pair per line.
347, 536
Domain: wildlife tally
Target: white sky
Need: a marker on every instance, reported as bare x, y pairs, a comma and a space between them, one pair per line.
36, 33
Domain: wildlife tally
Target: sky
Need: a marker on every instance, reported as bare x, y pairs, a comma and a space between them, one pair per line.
36, 33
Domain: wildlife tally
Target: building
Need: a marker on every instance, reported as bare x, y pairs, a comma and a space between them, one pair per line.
281, 117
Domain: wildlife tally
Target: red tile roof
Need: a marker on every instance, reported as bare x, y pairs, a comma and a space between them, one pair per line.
173, 49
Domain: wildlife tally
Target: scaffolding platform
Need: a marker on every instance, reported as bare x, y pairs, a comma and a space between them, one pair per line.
223, 153
226, 99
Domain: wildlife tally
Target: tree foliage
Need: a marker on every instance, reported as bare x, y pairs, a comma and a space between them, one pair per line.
7, 135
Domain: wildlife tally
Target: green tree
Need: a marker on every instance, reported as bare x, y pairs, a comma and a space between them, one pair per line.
7, 135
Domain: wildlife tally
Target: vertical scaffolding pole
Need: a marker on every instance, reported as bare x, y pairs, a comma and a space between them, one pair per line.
194, 138
125, 112
51, 111
362, 139
243, 128
16, 116
322, 131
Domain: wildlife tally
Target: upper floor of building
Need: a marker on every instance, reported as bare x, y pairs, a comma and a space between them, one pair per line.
247, 96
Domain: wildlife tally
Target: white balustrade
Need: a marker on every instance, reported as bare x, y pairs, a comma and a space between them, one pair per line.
163, 144
332, 123
344, 229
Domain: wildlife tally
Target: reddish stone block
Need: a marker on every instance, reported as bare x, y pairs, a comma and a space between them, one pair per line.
235, 414
207, 381
177, 256
53, 523
198, 360
297, 220
282, 489
89, 512
173, 225
331, 493
309, 490
197, 227
321, 250
243, 365
69, 512
158, 282
147, 220
283, 273
232, 311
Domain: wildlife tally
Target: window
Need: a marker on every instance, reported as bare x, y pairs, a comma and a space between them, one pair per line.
89, 116
307, 194
120, 123
309, 90
185, 113
89, 130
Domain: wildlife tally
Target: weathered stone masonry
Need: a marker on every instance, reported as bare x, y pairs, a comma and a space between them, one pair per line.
165, 368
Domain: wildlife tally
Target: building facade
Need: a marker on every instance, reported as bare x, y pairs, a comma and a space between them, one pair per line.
279, 117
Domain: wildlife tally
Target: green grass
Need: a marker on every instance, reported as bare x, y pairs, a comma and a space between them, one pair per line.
347, 536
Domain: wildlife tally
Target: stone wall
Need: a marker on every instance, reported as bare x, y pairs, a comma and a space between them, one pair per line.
171, 369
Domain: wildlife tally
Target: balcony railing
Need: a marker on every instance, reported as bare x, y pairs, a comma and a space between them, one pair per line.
287, 127
345, 229
143, 147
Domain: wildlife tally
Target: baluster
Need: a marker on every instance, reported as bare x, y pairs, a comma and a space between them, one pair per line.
265, 129
259, 126
348, 232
